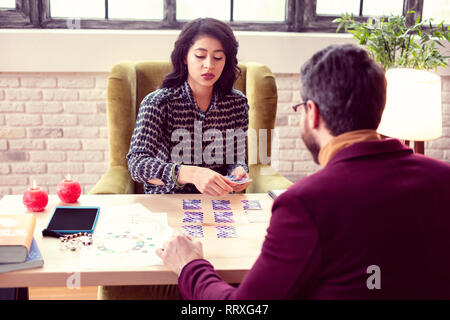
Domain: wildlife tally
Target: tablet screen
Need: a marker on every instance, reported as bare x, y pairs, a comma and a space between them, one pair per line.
73, 219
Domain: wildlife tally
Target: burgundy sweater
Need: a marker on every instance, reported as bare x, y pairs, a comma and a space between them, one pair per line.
375, 206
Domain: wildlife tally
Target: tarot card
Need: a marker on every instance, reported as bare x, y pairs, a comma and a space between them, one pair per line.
194, 230
221, 204
193, 217
257, 216
223, 216
226, 232
251, 205
189, 204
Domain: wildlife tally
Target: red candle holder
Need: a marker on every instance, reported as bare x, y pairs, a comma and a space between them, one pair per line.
35, 199
68, 190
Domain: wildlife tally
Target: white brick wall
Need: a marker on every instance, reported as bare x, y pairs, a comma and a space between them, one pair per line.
294, 160
52, 124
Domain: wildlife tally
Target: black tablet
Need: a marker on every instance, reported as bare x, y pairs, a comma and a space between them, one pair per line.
73, 219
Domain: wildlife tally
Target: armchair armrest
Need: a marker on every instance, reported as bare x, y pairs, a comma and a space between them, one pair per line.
266, 178
116, 180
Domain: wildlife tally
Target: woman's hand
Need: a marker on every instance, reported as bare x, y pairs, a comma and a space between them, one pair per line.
207, 181
240, 173
157, 182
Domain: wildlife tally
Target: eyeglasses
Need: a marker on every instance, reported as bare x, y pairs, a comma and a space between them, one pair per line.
298, 105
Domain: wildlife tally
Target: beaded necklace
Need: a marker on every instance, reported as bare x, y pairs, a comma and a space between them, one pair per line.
74, 241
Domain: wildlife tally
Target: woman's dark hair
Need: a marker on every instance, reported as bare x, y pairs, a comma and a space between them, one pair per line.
348, 87
190, 32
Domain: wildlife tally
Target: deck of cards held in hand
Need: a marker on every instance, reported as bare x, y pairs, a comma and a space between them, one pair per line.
240, 181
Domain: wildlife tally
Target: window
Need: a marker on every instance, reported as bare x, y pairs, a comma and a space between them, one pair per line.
233, 11
267, 15
136, 9
19, 14
87, 9
115, 9
191, 9
360, 8
382, 7
7, 4
259, 10
317, 14
336, 7
437, 9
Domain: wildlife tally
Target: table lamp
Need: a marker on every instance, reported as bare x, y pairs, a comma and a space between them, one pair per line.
413, 109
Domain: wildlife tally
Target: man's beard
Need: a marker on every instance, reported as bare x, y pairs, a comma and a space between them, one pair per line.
311, 143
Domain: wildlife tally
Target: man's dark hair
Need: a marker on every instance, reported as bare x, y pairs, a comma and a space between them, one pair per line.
348, 87
189, 34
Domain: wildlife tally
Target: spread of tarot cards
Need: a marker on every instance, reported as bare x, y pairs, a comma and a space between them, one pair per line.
194, 217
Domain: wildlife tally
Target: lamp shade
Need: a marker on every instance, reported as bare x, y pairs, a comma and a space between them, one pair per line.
413, 105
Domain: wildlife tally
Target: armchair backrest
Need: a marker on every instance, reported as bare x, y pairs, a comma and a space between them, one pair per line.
129, 82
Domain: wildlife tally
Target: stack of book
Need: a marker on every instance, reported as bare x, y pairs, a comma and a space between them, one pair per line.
276, 192
18, 248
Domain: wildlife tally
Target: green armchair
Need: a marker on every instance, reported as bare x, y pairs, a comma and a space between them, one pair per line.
129, 82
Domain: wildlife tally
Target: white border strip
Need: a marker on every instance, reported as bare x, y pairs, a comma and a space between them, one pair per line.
64, 50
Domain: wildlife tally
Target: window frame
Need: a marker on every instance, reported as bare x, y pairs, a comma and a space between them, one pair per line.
309, 21
300, 17
169, 21
56, 23
25, 15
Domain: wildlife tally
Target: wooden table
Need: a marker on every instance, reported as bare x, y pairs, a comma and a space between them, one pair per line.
232, 257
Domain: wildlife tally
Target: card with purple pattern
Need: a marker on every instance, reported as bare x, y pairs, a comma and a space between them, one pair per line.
223, 216
221, 204
193, 217
226, 232
251, 205
189, 204
194, 230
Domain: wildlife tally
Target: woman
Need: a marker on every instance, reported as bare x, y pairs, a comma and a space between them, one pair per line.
172, 149
184, 130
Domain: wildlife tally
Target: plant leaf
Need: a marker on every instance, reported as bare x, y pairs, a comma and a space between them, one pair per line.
391, 40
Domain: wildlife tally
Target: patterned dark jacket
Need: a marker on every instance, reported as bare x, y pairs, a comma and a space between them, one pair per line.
171, 130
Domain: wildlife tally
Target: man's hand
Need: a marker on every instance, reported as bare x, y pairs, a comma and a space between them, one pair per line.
179, 251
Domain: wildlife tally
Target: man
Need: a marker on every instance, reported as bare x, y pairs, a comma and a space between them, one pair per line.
374, 223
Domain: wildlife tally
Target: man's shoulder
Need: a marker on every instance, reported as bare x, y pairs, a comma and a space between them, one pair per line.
432, 162
321, 176
431, 170
339, 176
305, 188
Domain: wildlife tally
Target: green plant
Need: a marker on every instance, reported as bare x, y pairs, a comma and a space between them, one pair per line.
394, 44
